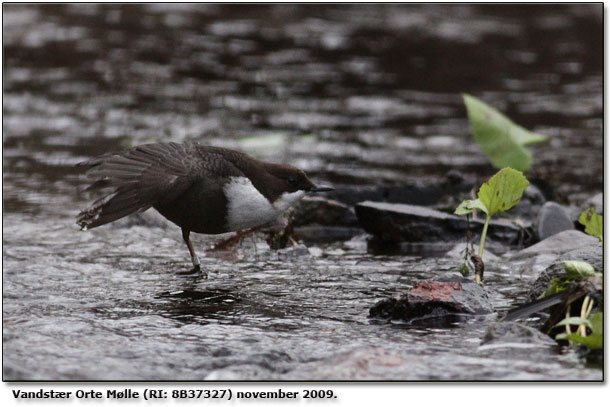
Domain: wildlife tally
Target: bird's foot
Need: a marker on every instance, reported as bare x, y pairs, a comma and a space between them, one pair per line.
195, 272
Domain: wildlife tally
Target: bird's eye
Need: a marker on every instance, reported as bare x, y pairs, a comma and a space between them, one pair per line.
292, 180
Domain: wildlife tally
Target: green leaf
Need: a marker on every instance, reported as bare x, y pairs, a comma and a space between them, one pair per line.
556, 285
578, 270
593, 341
467, 206
574, 321
593, 223
500, 138
503, 190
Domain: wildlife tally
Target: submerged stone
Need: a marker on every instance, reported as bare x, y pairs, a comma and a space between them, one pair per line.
435, 299
411, 223
514, 332
317, 234
426, 194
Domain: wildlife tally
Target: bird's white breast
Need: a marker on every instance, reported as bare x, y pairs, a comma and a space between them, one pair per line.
247, 207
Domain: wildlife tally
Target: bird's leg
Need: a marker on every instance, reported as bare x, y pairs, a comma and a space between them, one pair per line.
196, 265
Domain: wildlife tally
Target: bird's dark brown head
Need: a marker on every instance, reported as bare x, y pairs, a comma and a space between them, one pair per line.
287, 178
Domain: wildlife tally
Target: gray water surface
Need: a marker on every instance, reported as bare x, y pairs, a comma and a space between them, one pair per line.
352, 94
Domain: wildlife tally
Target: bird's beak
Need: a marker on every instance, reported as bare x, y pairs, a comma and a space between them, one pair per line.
321, 188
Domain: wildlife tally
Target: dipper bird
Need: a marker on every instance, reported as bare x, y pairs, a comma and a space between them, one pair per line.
201, 189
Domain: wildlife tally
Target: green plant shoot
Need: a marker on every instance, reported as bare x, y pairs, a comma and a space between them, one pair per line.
595, 323
501, 140
575, 271
502, 192
593, 223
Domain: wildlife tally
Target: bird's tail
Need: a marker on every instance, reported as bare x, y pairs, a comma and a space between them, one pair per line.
136, 179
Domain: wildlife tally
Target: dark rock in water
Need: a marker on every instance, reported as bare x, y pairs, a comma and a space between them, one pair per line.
514, 332
537, 260
321, 220
435, 299
408, 194
426, 249
557, 244
321, 211
399, 222
552, 219
592, 254
326, 234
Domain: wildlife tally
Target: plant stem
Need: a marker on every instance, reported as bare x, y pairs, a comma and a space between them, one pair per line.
483, 235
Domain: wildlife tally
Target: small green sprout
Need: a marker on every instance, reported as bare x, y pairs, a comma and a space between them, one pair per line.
593, 223
501, 140
595, 324
502, 192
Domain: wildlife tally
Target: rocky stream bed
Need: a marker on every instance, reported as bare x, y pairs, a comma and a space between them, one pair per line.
363, 97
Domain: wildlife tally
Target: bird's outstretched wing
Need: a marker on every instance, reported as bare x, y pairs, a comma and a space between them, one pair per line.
138, 178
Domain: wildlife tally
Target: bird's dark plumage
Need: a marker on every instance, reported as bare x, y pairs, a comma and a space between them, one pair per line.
187, 183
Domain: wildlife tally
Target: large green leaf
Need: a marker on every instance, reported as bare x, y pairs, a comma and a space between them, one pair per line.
503, 190
593, 223
500, 138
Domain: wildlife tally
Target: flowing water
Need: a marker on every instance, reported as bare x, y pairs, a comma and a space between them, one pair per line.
366, 94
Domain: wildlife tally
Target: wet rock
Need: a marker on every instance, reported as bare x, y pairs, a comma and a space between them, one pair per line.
316, 234
299, 250
552, 219
400, 222
557, 245
592, 254
514, 332
426, 249
321, 220
322, 211
435, 299
357, 243
408, 194
533, 266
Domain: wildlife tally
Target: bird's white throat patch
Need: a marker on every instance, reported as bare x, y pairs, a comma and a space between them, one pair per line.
287, 199
248, 208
